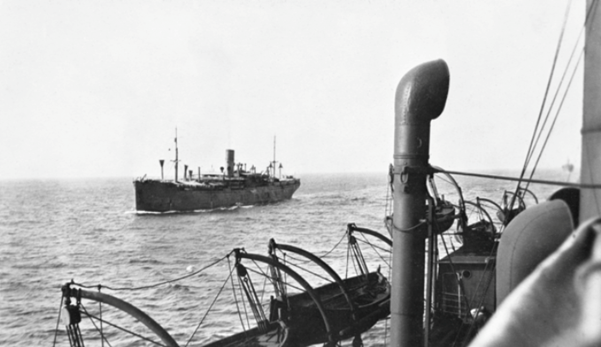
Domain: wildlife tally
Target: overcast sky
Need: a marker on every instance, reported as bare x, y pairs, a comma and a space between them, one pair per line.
97, 88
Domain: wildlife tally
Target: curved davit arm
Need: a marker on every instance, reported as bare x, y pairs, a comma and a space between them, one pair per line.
352, 227
319, 262
125, 307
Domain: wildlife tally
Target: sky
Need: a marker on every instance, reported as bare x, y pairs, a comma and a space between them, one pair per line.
98, 88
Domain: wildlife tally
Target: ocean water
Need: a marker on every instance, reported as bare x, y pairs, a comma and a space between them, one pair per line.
86, 230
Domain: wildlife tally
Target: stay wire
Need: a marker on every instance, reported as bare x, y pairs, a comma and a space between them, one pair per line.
304, 261
555, 118
209, 309
333, 248
263, 274
264, 287
366, 241
58, 320
548, 114
506, 178
310, 272
540, 114
588, 17
151, 285
229, 264
240, 288
90, 316
375, 248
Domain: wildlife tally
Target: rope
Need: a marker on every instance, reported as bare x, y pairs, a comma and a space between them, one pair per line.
375, 248
305, 261
532, 143
229, 264
243, 302
209, 309
264, 286
263, 274
348, 250
394, 227
118, 327
531, 151
152, 285
58, 320
556, 115
333, 248
311, 272
506, 178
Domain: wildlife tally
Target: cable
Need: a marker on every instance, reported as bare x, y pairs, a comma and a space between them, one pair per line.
209, 309
58, 320
152, 285
118, 327
506, 178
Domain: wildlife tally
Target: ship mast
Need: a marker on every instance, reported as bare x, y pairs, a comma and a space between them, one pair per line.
273, 162
590, 199
176, 161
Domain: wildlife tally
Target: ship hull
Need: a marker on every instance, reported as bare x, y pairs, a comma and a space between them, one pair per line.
164, 196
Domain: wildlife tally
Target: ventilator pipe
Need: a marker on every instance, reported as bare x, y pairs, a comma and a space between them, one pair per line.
420, 97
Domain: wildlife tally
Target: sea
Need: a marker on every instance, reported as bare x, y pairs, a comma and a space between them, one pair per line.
176, 266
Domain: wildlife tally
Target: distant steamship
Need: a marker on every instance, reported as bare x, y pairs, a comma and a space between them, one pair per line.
235, 186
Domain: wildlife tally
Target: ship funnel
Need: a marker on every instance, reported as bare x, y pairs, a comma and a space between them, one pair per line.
420, 97
229, 158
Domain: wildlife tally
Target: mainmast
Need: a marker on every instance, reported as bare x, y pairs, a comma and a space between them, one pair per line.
590, 199
273, 162
176, 161
420, 97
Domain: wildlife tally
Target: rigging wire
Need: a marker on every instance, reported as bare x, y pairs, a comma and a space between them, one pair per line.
375, 248
152, 285
540, 114
309, 271
209, 309
264, 287
246, 315
58, 320
531, 146
229, 264
531, 150
261, 273
91, 317
333, 248
556, 116
560, 84
506, 178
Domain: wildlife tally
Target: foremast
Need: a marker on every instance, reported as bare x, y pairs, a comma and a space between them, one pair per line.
420, 97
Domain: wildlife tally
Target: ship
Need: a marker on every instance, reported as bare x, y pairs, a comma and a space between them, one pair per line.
532, 278
235, 186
